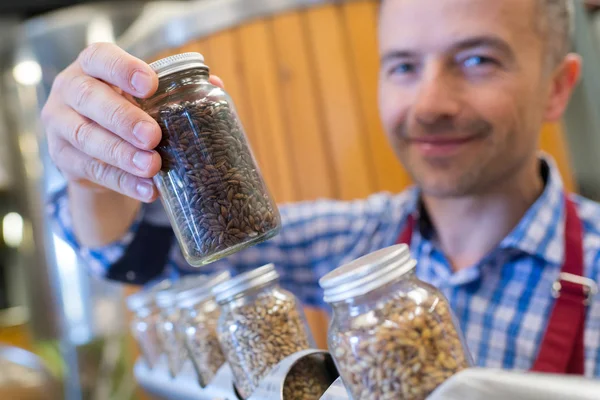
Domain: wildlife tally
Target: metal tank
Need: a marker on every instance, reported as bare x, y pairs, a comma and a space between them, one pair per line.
77, 321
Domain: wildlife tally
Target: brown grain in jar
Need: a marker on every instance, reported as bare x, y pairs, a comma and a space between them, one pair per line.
199, 317
260, 325
210, 184
392, 336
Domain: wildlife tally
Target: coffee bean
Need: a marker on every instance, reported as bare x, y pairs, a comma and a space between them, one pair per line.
407, 357
205, 158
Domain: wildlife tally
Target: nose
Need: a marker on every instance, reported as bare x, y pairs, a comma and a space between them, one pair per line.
438, 95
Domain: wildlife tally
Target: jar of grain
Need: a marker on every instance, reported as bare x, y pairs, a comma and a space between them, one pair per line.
170, 333
392, 336
144, 324
199, 315
260, 325
209, 184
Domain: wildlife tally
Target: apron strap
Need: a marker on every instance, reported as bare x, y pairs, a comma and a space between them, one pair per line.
562, 348
405, 236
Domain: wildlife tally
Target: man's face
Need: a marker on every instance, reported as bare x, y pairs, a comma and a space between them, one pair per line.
463, 90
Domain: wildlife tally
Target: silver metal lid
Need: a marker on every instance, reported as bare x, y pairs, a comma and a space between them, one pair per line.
166, 298
178, 62
139, 300
146, 297
246, 281
191, 297
367, 273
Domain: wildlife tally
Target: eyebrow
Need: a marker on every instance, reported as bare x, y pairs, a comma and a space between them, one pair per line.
469, 43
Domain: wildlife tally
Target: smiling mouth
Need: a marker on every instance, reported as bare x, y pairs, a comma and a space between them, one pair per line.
442, 147
442, 141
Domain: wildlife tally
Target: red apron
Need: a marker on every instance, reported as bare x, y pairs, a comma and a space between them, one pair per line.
562, 349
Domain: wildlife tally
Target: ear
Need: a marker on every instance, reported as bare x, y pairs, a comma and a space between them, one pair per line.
565, 78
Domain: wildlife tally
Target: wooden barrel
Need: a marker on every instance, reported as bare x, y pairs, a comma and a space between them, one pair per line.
303, 75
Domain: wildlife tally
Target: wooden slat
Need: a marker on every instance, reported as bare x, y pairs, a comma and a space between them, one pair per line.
361, 31
318, 322
225, 62
302, 112
553, 142
258, 58
345, 131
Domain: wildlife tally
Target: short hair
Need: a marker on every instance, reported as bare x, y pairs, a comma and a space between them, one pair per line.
556, 22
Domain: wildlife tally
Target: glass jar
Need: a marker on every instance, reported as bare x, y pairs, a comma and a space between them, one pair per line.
209, 184
260, 325
199, 316
169, 329
143, 326
391, 335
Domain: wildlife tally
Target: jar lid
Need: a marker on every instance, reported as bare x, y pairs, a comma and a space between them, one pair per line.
191, 297
367, 273
165, 298
245, 281
145, 297
178, 62
138, 300
168, 297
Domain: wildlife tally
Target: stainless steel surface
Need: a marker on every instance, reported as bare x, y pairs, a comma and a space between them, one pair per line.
8, 34
492, 384
67, 306
582, 119
337, 391
470, 384
48, 44
202, 18
271, 387
185, 386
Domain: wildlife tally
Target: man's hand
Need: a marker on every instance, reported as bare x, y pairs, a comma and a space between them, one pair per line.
97, 134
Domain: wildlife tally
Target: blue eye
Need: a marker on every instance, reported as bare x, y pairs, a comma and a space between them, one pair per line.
476, 61
402, 69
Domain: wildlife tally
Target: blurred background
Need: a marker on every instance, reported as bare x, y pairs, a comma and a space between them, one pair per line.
303, 74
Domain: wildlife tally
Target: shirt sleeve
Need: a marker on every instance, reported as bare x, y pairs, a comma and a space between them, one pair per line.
138, 257
316, 237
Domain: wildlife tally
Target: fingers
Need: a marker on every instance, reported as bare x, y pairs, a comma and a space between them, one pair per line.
82, 166
97, 142
115, 66
101, 103
215, 80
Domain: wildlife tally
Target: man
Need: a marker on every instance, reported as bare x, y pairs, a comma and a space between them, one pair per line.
462, 105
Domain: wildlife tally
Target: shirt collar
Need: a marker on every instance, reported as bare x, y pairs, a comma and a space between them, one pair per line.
540, 233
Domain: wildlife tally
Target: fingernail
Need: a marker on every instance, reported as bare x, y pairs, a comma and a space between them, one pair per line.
141, 82
145, 190
142, 160
144, 132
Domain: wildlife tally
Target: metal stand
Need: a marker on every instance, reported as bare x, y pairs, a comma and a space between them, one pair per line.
185, 386
473, 383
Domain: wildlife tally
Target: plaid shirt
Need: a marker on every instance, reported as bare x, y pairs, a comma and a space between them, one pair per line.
502, 303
